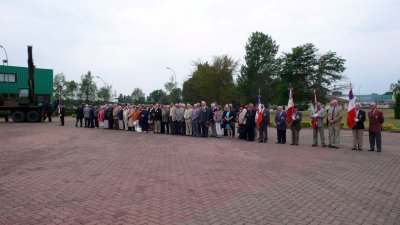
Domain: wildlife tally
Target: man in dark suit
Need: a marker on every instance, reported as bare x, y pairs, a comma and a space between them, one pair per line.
295, 126
204, 119
375, 126
280, 121
62, 112
79, 115
358, 129
250, 122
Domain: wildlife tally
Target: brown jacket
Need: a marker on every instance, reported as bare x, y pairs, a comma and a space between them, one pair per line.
375, 120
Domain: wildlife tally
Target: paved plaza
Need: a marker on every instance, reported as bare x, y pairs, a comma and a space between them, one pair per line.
66, 175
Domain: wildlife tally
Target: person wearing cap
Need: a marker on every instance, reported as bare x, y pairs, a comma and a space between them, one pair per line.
295, 126
358, 129
375, 126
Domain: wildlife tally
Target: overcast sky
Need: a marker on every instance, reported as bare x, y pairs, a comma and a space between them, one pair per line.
130, 43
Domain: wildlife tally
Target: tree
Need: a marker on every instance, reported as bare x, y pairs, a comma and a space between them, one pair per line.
395, 87
170, 85
104, 93
211, 82
397, 107
59, 85
175, 95
259, 70
157, 96
71, 89
306, 70
87, 87
138, 96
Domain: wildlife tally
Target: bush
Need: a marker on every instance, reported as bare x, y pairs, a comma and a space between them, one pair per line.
306, 124
388, 127
73, 115
272, 124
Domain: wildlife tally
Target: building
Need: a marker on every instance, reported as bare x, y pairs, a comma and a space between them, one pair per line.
13, 78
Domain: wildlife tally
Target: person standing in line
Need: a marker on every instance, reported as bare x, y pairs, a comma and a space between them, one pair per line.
358, 129
172, 114
144, 119
228, 125
335, 118
242, 123
250, 122
263, 129
204, 120
317, 117
86, 115
120, 118
295, 126
157, 118
195, 120
188, 120
217, 117
376, 120
96, 116
280, 121
125, 117
91, 116
79, 115
165, 120
62, 113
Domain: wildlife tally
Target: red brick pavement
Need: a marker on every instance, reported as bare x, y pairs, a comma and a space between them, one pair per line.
67, 175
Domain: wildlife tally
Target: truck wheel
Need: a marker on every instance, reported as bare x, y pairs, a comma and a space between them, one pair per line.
32, 116
18, 116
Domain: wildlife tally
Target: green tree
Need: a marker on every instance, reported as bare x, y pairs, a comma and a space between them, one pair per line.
104, 93
397, 107
211, 82
395, 87
138, 96
307, 70
259, 70
87, 87
175, 95
157, 96
59, 86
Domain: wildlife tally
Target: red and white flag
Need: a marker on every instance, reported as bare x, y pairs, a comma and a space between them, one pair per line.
314, 121
259, 112
351, 110
290, 107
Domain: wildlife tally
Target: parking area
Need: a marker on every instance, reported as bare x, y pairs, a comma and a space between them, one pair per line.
66, 175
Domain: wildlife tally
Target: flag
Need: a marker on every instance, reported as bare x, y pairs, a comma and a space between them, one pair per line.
314, 121
351, 111
259, 113
290, 107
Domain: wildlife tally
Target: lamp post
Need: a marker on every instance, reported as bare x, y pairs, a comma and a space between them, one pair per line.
173, 72
5, 61
102, 80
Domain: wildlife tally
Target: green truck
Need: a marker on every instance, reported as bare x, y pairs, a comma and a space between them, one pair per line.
25, 91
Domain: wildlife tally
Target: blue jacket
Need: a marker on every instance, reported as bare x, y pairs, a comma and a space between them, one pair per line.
280, 120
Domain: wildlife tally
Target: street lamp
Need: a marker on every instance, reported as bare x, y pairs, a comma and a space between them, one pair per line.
5, 61
173, 72
102, 80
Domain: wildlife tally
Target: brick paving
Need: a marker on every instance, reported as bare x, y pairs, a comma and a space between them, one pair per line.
66, 175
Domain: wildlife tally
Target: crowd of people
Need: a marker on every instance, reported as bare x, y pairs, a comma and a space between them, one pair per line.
248, 122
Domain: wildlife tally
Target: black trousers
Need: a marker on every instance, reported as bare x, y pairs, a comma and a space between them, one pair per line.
164, 127
204, 129
78, 119
96, 122
62, 119
281, 136
87, 122
375, 138
250, 132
